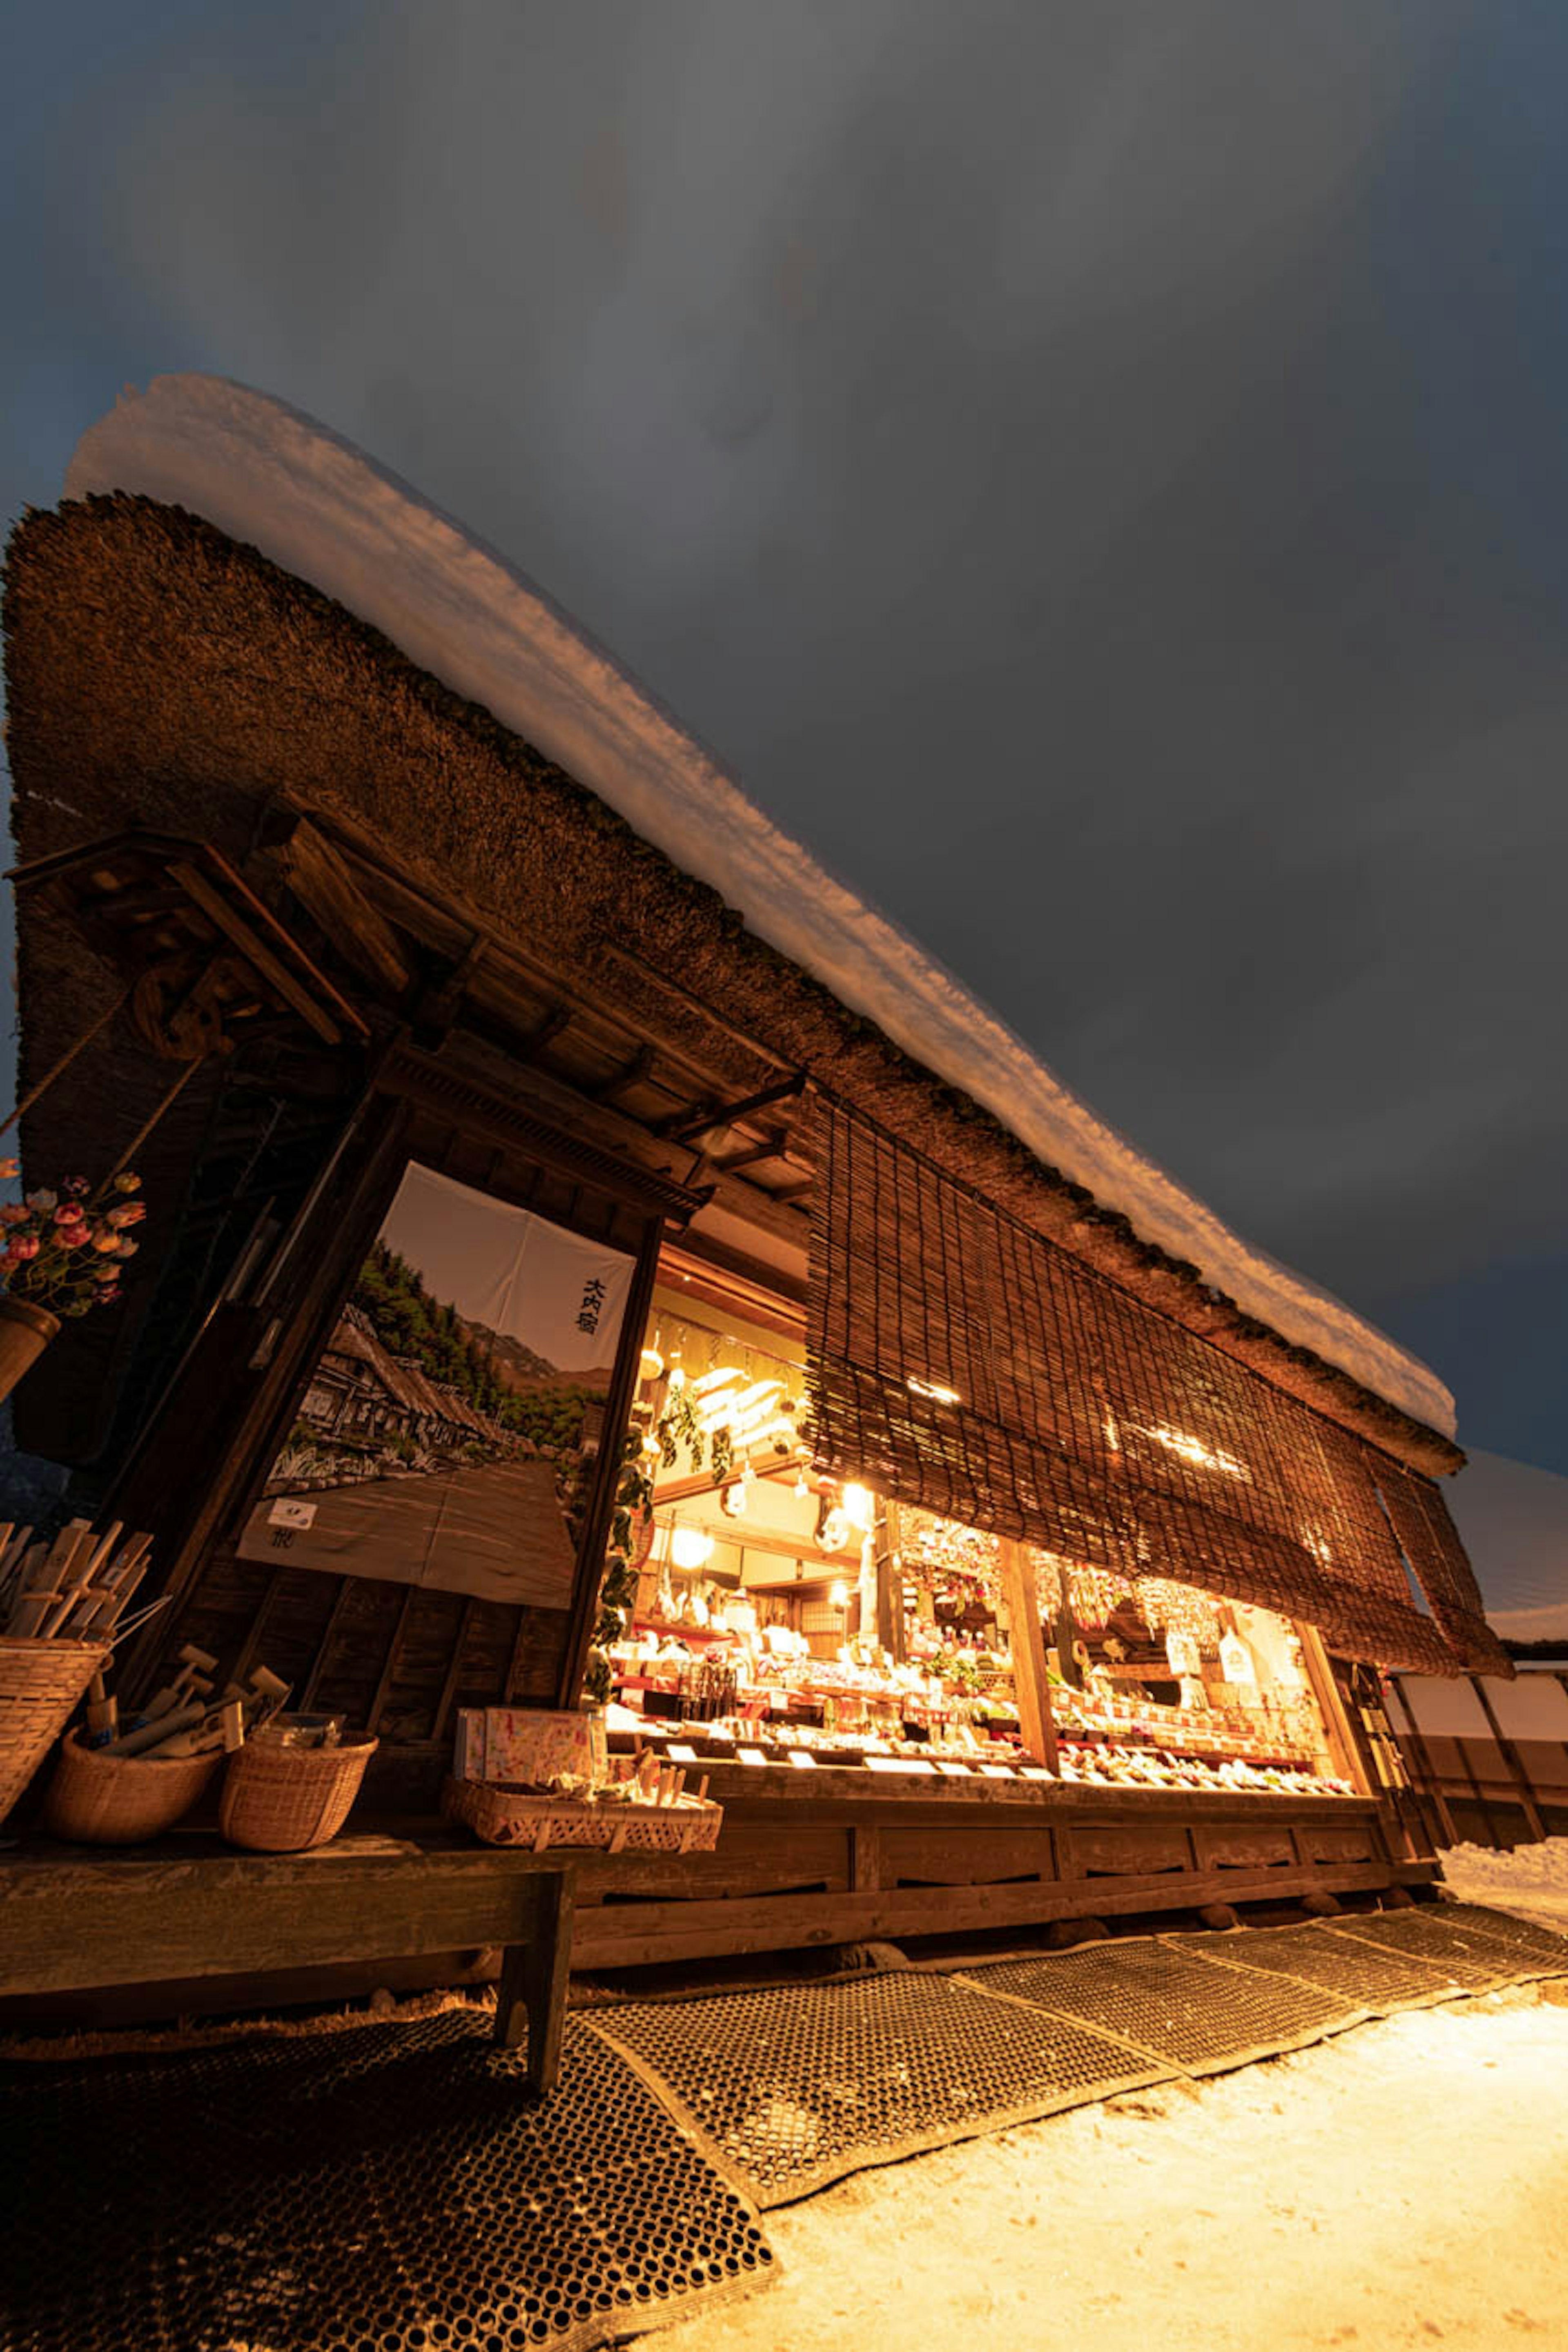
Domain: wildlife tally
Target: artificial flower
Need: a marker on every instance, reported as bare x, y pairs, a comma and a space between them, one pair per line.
69, 1212
126, 1183
131, 1214
42, 1200
9, 1168
106, 1239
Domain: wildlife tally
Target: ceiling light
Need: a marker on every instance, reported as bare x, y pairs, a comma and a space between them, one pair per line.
689, 1547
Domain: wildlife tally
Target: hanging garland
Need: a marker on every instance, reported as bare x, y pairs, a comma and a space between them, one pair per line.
618, 1586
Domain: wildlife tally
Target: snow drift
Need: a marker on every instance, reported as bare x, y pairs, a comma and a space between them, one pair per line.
312, 502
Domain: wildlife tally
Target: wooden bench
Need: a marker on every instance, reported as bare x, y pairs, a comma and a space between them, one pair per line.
74, 1917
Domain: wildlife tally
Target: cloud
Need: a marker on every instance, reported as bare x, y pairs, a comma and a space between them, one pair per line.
1072, 462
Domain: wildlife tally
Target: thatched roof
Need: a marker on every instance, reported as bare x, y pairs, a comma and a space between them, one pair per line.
159, 673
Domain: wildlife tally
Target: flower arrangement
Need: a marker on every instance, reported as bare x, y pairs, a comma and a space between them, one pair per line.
65, 1251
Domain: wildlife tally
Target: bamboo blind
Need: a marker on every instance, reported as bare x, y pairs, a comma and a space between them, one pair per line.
959, 1361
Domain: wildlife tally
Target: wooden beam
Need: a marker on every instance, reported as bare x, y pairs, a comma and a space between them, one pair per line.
734, 1292
1031, 1685
321, 879
1511, 1757
1345, 1749
632, 1073
267, 966
554, 1019
774, 1144
1427, 1780
890, 1586
686, 1127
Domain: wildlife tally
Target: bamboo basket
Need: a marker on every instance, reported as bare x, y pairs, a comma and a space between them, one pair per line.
278, 1799
100, 1800
518, 1817
40, 1683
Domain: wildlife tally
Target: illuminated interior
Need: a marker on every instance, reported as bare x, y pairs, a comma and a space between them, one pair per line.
784, 1615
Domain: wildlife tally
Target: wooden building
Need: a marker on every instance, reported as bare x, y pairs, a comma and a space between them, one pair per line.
322, 918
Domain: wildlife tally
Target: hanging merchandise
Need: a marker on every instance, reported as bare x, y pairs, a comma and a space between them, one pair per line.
1235, 1660
1181, 1654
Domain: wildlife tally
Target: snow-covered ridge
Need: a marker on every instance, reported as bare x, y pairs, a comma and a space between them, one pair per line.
265, 473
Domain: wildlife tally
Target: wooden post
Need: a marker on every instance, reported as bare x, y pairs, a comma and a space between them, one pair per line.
1511, 1757
1425, 1777
608, 1469
1030, 1685
1345, 1750
889, 1587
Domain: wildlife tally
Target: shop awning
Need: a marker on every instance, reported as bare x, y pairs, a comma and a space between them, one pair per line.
960, 1361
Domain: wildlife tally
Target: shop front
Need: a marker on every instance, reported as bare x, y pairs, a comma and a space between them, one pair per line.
602, 1302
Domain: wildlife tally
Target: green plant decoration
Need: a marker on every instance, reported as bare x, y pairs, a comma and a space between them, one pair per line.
618, 1585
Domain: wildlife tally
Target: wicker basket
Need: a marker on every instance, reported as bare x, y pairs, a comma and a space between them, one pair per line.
278, 1799
101, 1800
503, 1816
40, 1682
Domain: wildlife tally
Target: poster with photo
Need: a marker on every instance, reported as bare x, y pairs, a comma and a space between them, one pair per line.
441, 1438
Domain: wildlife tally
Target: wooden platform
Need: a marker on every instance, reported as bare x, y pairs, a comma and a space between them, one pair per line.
840, 1863
189, 1908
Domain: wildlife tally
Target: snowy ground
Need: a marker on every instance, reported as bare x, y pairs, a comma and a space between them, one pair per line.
1404, 2185
1533, 1880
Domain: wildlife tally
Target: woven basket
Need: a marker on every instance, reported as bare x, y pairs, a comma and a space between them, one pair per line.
278, 1799
503, 1816
40, 1682
101, 1800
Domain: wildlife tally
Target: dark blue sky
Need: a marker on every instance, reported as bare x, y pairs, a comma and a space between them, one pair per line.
1099, 473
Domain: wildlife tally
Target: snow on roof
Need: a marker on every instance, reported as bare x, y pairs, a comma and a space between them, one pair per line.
1513, 1519
264, 473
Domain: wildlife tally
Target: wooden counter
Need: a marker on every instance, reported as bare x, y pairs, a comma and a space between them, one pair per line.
840, 1854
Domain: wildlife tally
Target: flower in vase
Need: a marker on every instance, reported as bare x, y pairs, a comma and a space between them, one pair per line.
43, 1200
106, 1238
9, 1168
126, 1183
131, 1214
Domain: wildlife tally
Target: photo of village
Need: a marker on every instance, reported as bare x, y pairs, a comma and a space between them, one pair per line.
431, 1445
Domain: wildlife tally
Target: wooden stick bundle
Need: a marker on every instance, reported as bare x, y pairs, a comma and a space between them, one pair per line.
74, 1589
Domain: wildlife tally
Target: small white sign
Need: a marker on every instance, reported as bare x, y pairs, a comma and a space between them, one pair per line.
1034, 1772
898, 1764
289, 1511
954, 1771
750, 1756
681, 1754
801, 1760
997, 1771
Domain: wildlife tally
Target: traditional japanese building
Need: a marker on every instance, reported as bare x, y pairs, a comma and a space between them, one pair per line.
1013, 1541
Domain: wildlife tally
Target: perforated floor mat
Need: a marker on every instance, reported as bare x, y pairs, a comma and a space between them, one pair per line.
796, 2086
1365, 1979
391, 2188
1537, 1951
1478, 1962
1159, 1995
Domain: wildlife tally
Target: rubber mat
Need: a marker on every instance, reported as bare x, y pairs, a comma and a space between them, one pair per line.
796, 2085
1161, 1997
1539, 1950
1478, 1962
394, 2188
1367, 1980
